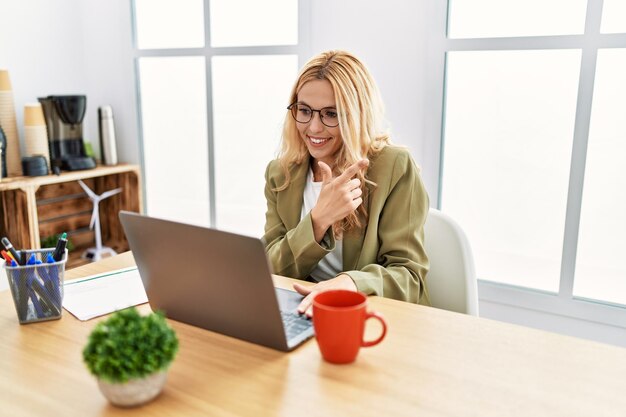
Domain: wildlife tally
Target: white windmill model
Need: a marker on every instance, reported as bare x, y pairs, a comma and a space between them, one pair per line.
95, 254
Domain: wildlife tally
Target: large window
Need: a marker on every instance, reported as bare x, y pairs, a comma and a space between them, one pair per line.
600, 268
534, 147
509, 128
507, 18
174, 120
214, 78
248, 112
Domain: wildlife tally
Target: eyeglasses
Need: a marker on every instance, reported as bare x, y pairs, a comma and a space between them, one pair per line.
304, 114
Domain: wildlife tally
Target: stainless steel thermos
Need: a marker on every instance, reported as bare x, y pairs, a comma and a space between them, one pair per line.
107, 135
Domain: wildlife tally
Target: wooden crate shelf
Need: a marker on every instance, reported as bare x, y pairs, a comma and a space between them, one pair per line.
34, 208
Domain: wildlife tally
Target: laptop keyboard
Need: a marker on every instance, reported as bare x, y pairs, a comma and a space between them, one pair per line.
294, 323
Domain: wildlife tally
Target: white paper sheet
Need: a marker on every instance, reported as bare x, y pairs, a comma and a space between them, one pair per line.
101, 294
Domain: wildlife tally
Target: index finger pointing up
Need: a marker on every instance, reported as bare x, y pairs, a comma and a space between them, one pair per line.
353, 169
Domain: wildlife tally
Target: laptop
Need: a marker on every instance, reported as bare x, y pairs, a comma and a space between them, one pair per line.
215, 280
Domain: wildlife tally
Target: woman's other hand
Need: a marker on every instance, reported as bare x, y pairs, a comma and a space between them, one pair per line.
340, 282
339, 197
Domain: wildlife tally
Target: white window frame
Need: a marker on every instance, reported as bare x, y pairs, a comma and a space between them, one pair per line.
564, 303
302, 49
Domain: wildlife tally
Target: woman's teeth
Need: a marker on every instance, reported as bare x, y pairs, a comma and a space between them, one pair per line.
318, 141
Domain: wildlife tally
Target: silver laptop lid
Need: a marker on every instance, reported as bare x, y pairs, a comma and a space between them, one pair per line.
208, 278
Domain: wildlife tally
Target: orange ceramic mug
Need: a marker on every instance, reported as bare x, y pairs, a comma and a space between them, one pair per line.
339, 321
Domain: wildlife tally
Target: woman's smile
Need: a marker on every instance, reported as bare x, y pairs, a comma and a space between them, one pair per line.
318, 141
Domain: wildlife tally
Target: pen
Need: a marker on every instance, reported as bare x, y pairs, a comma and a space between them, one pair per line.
33, 296
11, 249
47, 299
43, 273
47, 293
53, 283
59, 251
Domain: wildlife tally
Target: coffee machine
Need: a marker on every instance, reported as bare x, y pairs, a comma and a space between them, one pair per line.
64, 120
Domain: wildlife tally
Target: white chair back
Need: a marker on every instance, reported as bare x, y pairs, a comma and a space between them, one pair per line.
451, 280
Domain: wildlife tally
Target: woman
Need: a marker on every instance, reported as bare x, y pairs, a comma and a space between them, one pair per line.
345, 208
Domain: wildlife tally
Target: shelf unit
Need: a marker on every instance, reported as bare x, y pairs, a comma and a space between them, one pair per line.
33, 208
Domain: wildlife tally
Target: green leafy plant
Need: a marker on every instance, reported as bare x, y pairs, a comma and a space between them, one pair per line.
128, 345
51, 242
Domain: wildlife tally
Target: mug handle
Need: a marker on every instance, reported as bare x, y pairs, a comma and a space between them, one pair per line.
381, 319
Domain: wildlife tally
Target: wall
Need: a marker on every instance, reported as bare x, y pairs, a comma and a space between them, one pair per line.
73, 47
109, 70
552, 322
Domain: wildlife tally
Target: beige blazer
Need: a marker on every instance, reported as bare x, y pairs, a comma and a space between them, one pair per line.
385, 257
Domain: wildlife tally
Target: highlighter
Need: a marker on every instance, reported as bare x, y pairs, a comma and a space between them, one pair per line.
7, 257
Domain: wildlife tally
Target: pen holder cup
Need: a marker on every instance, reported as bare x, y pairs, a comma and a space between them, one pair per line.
37, 288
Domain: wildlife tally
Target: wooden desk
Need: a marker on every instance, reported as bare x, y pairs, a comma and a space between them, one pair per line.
433, 363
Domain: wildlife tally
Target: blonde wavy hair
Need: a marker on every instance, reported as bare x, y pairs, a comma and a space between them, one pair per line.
361, 121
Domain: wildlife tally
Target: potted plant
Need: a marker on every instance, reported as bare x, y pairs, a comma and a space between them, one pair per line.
129, 354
